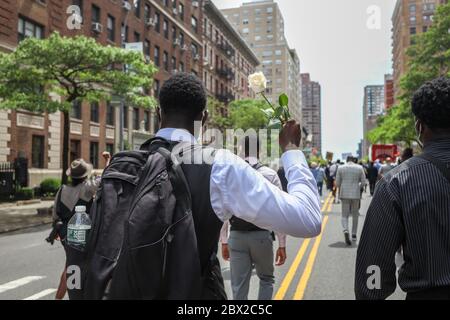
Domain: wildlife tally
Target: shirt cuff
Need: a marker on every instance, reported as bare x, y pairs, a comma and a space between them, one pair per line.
292, 158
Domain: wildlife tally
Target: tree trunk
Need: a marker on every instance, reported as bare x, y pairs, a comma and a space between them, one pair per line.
65, 150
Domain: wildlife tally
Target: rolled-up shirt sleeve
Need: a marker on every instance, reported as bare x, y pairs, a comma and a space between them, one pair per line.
238, 190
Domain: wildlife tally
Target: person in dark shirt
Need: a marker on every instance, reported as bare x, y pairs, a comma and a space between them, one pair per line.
411, 209
372, 176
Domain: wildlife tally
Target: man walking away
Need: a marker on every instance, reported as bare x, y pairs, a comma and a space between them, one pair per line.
411, 209
350, 179
250, 246
372, 176
319, 174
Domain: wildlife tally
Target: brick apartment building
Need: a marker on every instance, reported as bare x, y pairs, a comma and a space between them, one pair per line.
227, 60
410, 17
171, 33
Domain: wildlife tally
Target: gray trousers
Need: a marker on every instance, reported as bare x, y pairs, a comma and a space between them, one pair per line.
247, 250
350, 207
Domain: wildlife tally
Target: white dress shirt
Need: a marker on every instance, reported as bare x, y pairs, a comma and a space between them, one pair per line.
236, 189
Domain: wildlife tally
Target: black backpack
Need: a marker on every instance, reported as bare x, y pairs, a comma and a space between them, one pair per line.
143, 243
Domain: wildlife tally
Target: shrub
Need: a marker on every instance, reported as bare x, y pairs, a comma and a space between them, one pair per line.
49, 187
25, 194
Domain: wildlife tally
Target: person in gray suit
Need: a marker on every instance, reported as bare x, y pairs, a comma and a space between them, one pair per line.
350, 179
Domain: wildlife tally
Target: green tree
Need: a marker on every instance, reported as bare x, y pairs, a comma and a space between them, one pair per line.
75, 69
248, 114
429, 58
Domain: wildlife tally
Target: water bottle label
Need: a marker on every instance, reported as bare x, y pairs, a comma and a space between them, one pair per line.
76, 236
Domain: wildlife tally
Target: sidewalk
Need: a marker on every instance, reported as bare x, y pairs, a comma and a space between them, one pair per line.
16, 216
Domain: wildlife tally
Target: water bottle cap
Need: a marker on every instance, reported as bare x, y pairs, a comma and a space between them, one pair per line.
80, 209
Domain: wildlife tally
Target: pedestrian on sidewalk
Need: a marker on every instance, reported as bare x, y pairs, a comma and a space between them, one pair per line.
388, 166
411, 209
80, 192
249, 246
350, 179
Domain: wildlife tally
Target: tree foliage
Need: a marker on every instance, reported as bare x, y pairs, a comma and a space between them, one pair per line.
78, 68
429, 58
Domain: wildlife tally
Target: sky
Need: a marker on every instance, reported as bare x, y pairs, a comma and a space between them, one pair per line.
343, 54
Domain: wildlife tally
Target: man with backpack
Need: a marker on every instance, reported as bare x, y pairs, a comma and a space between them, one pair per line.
411, 209
157, 219
250, 246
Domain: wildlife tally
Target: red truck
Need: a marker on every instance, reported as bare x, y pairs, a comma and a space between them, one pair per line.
383, 151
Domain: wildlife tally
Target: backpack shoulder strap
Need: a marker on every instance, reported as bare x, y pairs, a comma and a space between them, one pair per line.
257, 166
444, 168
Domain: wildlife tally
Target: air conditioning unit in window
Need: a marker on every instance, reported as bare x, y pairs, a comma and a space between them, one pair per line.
126, 5
176, 42
196, 57
151, 22
97, 27
205, 61
184, 47
175, 11
147, 58
195, 4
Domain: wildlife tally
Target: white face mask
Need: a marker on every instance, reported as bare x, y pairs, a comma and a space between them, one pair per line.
419, 133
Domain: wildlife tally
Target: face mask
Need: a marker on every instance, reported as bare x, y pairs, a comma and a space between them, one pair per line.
419, 133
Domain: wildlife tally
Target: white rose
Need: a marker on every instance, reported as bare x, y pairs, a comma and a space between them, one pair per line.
257, 82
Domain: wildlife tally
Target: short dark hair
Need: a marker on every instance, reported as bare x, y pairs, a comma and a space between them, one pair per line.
431, 103
184, 94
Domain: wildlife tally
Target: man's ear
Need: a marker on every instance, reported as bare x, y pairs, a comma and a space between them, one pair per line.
205, 117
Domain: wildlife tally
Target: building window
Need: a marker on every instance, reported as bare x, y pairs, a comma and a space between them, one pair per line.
194, 49
412, 30
110, 114
147, 120
181, 67
174, 63
158, 22
37, 151
156, 87
75, 150
181, 11
95, 14
93, 154
125, 32
146, 12
174, 34
194, 24
27, 29
156, 56
79, 4
147, 48
110, 148
94, 112
137, 37
75, 112
135, 118
166, 29
125, 117
111, 24
166, 61
181, 38
137, 9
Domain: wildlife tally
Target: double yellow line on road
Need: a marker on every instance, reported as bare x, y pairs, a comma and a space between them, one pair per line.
301, 287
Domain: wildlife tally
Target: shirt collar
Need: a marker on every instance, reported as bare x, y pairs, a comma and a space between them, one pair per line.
176, 134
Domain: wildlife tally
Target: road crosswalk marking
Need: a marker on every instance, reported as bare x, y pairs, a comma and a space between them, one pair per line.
41, 294
19, 283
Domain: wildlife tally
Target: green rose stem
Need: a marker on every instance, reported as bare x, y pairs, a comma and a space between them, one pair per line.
283, 121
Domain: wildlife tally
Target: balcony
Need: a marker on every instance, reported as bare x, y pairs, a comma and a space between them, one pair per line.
226, 49
226, 73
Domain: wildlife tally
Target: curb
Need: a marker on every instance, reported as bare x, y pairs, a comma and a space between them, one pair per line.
5, 231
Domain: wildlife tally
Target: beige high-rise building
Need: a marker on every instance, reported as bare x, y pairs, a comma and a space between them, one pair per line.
410, 17
261, 24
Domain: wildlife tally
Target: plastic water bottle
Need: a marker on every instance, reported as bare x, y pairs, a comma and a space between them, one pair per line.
78, 229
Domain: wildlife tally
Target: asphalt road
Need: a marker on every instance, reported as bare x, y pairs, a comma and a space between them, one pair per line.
316, 269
